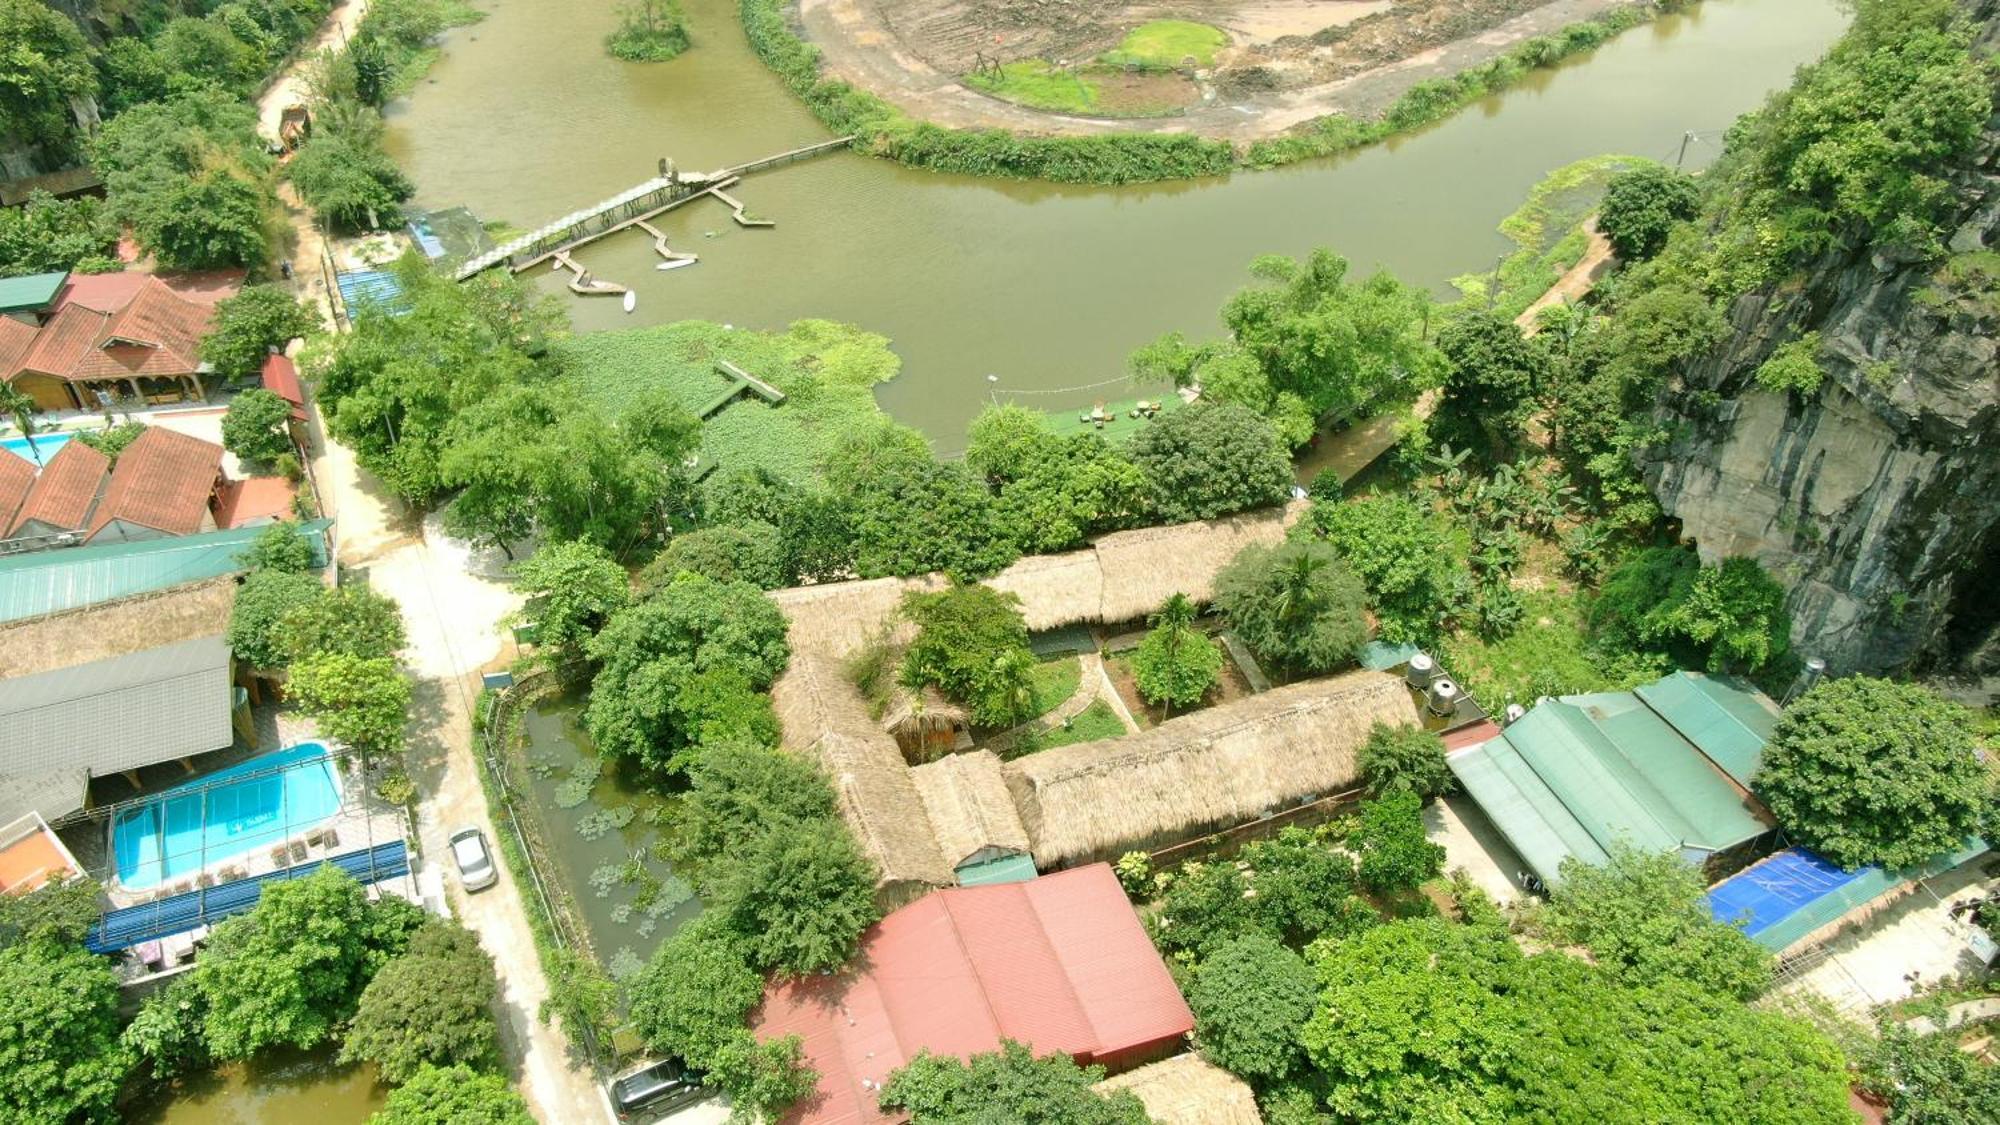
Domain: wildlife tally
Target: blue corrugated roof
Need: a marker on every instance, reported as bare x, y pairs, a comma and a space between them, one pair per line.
1787, 896
122, 929
36, 583
360, 289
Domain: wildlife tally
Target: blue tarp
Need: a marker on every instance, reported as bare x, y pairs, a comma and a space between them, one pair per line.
122, 929
1770, 892
361, 288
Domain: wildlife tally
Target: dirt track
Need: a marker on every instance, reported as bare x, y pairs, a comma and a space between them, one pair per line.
915, 63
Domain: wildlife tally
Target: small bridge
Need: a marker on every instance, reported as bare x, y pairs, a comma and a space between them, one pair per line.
631, 208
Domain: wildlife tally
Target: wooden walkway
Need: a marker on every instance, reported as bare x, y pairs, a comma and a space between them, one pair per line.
632, 207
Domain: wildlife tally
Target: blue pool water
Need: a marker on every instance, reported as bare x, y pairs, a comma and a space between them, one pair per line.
251, 805
45, 444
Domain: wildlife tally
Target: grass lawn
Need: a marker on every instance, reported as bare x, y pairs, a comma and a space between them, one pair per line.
1053, 681
1165, 43
827, 370
1119, 428
1548, 655
1095, 722
1038, 84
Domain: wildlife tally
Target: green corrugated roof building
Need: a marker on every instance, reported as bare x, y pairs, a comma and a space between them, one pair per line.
35, 291
37, 583
1663, 768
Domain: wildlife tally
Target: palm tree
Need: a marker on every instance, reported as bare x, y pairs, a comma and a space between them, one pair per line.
17, 404
1174, 622
1295, 598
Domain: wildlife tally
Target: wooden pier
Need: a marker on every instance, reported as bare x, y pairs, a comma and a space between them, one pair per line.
632, 208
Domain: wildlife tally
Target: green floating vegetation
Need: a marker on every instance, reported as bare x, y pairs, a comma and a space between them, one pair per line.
1168, 43
827, 371
1547, 231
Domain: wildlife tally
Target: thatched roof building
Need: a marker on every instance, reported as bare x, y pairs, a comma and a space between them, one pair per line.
971, 813
1202, 772
823, 716
1143, 568
925, 725
839, 619
1188, 1090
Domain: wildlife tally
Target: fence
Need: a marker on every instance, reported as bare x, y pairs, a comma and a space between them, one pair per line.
502, 723
1226, 841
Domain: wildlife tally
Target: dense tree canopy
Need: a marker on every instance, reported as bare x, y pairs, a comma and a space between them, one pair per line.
572, 590
685, 664
1251, 997
911, 514
457, 1094
1866, 771
740, 789
752, 551
972, 644
798, 896
1055, 490
251, 322
1932, 1079
431, 1006
45, 69
1403, 553
190, 176
1292, 889
1209, 460
1644, 916
1726, 616
60, 1057
1296, 604
1396, 856
257, 428
262, 603
352, 620
362, 702
1492, 375
1431, 1020
695, 994
1640, 208
1010, 1084
1404, 759
50, 234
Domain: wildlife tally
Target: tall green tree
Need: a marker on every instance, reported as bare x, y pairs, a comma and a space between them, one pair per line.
740, 789
249, 324
431, 1006
362, 702
1404, 553
457, 1094
1296, 604
572, 590
60, 1057
353, 620
1865, 771
972, 645
1640, 208
1211, 459
1251, 998
1010, 1084
1404, 759
797, 898
256, 617
257, 428
1492, 375
191, 177
1396, 855
352, 186
49, 234
910, 514
44, 73
1645, 917
1176, 665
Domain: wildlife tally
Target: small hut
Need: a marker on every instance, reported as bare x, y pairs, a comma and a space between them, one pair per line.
1203, 772
973, 818
924, 723
1188, 1090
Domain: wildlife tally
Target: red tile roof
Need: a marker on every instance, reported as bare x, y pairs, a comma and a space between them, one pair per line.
104, 292
16, 339
17, 476
1060, 963
281, 378
66, 489
108, 333
241, 502
164, 481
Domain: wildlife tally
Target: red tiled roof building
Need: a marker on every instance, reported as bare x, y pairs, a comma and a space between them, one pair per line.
1060, 963
163, 485
127, 336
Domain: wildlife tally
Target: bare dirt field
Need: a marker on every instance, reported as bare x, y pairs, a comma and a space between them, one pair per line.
1286, 62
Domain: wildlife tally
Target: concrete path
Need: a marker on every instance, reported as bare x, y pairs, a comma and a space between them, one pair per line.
1471, 843
1911, 944
1958, 1015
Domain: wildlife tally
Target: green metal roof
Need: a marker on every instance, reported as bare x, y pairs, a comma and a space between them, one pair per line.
1728, 720
1006, 869
34, 291
1576, 774
42, 582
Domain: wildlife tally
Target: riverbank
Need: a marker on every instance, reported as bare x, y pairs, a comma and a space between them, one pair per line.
848, 69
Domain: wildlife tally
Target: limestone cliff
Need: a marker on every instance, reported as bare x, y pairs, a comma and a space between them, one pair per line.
1876, 498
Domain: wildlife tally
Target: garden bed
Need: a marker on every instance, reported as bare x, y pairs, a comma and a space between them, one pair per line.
1234, 686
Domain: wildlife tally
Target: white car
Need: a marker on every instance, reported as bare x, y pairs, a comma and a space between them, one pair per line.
475, 860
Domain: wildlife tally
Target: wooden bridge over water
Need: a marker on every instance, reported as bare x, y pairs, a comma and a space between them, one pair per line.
632, 208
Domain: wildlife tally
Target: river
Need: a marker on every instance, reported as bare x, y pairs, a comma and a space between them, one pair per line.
1046, 286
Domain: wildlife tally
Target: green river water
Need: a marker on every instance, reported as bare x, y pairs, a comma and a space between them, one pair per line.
1045, 286
1048, 287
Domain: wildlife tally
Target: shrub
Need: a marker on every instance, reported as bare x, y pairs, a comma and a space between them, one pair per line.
751, 551
1010, 1084
60, 1058
1402, 759
649, 31
1250, 999
972, 644
1295, 603
1641, 206
1793, 367
457, 1094
1176, 665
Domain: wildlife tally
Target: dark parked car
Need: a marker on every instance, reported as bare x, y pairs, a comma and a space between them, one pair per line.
663, 1087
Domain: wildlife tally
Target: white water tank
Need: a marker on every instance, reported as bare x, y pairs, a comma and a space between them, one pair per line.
1443, 696
1515, 711
1421, 671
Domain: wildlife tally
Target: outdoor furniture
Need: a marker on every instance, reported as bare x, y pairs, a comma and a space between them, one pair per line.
298, 851
331, 837
280, 856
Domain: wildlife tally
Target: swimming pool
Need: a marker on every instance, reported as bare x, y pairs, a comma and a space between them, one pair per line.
259, 802
45, 444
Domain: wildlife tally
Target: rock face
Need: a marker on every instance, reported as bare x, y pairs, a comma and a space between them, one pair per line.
1876, 498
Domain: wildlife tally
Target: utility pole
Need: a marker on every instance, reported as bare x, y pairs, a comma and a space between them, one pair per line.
1685, 138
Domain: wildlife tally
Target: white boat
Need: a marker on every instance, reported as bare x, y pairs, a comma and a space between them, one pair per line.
675, 264
631, 300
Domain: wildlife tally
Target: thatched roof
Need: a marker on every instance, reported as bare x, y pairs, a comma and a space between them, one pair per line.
117, 628
823, 716
1143, 568
841, 618
1202, 772
1055, 590
971, 813
1189, 1090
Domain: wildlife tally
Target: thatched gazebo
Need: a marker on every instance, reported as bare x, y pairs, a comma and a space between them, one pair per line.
1202, 772
1188, 1090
